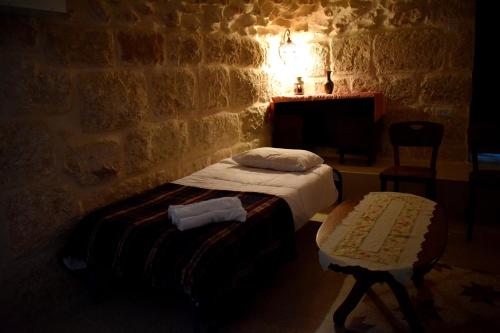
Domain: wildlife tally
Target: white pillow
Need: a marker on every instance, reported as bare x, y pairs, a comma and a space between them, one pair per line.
278, 159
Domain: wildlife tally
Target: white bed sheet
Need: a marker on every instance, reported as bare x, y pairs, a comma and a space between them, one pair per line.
305, 192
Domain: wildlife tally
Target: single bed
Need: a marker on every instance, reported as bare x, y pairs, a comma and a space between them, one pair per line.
134, 240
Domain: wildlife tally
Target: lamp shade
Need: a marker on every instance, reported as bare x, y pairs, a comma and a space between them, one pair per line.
287, 50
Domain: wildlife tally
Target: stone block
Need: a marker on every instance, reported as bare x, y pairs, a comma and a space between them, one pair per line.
307, 7
145, 9
190, 7
282, 22
444, 11
251, 53
222, 49
169, 141
446, 89
111, 99
212, 16
215, 93
79, 46
125, 13
138, 149
24, 89
455, 120
173, 92
401, 90
194, 164
26, 153
265, 8
36, 214
453, 152
242, 22
365, 83
250, 31
461, 46
409, 50
190, 21
94, 163
100, 9
234, 9
170, 14
129, 186
247, 87
409, 13
213, 132
397, 113
17, 32
351, 54
253, 122
340, 86
49, 91
13, 82
320, 53
243, 51
220, 155
141, 47
183, 49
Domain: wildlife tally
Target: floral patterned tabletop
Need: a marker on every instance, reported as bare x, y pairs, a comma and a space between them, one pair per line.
383, 232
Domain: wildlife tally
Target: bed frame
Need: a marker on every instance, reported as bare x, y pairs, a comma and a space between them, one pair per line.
126, 241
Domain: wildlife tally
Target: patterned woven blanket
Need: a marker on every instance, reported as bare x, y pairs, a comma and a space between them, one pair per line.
134, 240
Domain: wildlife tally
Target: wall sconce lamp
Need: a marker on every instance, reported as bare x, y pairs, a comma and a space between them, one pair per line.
286, 49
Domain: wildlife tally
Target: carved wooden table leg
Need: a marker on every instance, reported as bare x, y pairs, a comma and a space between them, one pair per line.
405, 304
358, 290
430, 251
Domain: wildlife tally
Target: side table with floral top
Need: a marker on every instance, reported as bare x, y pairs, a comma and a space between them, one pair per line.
387, 237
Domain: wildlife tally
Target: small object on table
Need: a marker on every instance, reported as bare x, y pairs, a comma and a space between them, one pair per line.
387, 237
298, 87
329, 83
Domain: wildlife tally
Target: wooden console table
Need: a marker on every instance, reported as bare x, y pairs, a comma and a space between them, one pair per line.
351, 123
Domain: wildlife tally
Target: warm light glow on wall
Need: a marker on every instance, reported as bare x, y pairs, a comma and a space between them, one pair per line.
283, 75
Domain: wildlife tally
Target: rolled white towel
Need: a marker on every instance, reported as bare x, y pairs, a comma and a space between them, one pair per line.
176, 212
221, 215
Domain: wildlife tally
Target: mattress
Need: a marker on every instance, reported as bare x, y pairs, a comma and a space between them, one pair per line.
306, 193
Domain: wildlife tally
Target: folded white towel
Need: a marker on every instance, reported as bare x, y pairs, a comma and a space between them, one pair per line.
234, 214
200, 213
176, 212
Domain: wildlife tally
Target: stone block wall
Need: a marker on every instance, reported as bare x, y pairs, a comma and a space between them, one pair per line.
115, 97
420, 55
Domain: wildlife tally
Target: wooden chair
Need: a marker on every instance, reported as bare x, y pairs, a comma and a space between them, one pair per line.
413, 134
483, 138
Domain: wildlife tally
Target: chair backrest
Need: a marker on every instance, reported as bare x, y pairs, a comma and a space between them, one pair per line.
416, 134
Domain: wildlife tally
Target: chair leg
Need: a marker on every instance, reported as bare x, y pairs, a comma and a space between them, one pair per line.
396, 186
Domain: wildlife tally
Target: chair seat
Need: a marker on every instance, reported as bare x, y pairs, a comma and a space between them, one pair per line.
408, 173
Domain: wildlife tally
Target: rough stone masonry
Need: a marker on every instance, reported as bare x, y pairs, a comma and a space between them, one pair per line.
114, 97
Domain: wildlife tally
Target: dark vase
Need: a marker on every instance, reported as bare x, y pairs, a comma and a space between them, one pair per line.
329, 83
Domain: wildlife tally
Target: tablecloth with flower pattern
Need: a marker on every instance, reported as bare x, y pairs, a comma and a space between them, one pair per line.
384, 232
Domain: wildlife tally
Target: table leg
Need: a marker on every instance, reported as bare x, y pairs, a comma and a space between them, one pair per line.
358, 290
405, 303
